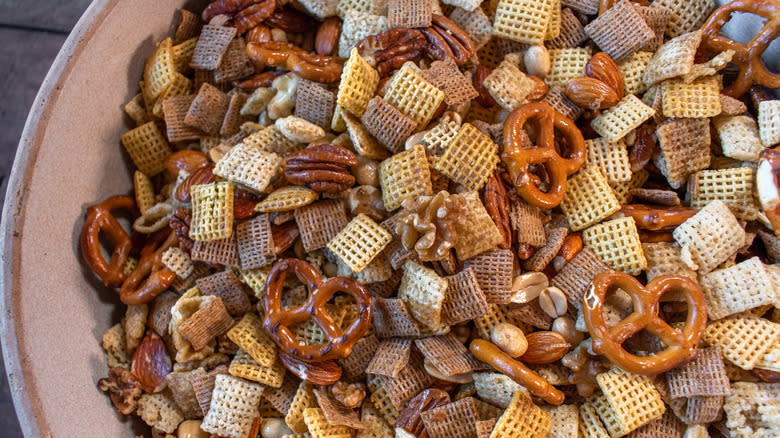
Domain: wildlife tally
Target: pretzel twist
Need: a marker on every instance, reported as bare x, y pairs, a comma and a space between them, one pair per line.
286, 55
607, 341
519, 160
277, 320
150, 277
99, 218
746, 56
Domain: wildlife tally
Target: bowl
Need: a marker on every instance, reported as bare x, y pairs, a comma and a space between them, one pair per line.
54, 312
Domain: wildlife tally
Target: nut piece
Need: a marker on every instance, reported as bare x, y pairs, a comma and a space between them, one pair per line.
151, 364
537, 61
436, 373
545, 347
528, 286
186, 160
497, 206
191, 429
565, 326
509, 338
322, 168
553, 302
350, 395
539, 91
366, 200
427, 224
319, 373
123, 389
327, 38
275, 428
602, 67
484, 98
410, 418
591, 94
366, 172
204, 175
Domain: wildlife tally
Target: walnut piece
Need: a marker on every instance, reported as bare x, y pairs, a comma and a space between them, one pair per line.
428, 224
350, 395
123, 389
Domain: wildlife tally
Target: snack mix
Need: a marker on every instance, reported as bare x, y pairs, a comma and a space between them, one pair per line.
449, 218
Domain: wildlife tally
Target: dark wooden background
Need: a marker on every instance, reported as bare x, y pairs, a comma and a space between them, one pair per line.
31, 34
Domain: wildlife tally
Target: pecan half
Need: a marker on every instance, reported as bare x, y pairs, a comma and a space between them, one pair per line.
644, 147
322, 168
186, 160
244, 203
459, 41
244, 14
484, 98
180, 223
123, 389
290, 20
389, 50
151, 364
410, 418
204, 175
497, 206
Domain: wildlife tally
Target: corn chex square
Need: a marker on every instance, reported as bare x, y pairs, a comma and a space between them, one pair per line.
405, 175
478, 233
709, 237
611, 158
303, 399
630, 401
743, 341
423, 292
565, 420
684, 148
233, 407
357, 86
566, 63
469, 159
632, 70
734, 186
359, 242
522, 419
212, 211
475, 23
739, 137
249, 335
741, 287
590, 423
663, 258
614, 123
249, 166
320, 428
616, 242
698, 99
245, 367
159, 411
508, 85
159, 71
673, 59
417, 98
588, 199
524, 21
147, 147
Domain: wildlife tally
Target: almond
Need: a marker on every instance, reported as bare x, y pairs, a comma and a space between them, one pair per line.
151, 364
602, 67
484, 98
539, 90
327, 36
545, 347
244, 203
186, 160
591, 94
319, 373
283, 236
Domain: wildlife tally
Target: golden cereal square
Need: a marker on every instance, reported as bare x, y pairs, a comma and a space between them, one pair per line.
738, 288
359, 242
469, 159
589, 199
249, 335
614, 123
411, 94
632, 69
565, 420
233, 408
286, 199
302, 400
158, 70
212, 211
743, 341
675, 58
617, 244
739, 137
590, 423
769, 122
423, 293
508, 85
709, 237
734, 186
699, 99
245, 367
405, 175
524, 21
478, 233
248, 165
522, 419
566, 63
357, 86
320, 428
663, 258
611, 158
147, 147
632, 399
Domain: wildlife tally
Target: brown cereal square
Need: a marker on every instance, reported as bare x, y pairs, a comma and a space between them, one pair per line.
447, 354
493, 271
390, 357
391, 318
319, 222
464, 299
314, 103
620, 31
255, 243
212, 45
221, 252
576, 275
226, 286
409, 13
684, 148
208, 109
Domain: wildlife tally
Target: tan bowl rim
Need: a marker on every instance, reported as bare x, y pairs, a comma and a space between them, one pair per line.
26, 401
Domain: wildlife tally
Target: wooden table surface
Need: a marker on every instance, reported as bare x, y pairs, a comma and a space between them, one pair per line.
31, 34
